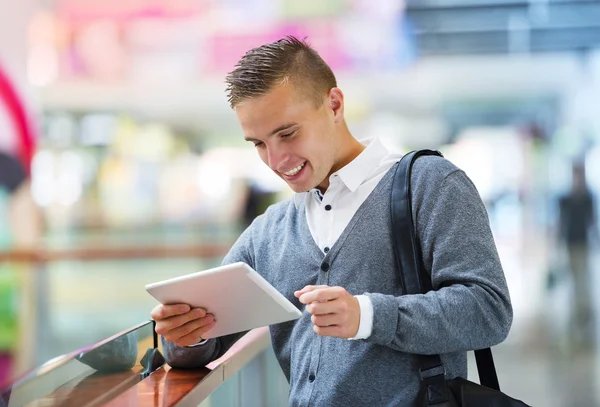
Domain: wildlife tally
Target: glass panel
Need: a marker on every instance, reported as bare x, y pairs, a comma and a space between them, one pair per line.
259, 383
87, 301
90, 375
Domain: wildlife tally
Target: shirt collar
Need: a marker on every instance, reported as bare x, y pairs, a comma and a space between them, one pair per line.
357, 171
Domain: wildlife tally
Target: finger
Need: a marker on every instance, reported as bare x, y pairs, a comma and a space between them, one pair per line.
174, 335
321, 308
164, 326
195, 336
166, 311
326, 320
321, 294
307, 289
201, 312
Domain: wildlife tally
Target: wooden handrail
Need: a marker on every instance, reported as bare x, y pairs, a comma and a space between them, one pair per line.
169, 387
243, 351
165, 387
115, 252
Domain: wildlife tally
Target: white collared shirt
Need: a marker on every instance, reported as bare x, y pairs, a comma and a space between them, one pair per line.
329, 214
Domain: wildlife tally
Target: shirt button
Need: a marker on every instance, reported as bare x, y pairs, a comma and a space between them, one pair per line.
326, 250
325, 267
311, 378
327, 207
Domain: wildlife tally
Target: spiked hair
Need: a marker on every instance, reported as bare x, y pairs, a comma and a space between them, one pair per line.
286, 61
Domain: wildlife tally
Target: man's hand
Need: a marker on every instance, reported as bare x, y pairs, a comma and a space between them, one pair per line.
335, 312
180, 324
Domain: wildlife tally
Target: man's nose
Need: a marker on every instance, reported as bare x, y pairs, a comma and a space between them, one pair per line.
277, 158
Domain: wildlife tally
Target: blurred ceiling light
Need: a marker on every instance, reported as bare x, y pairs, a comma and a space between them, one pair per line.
70, 178
42, 178
213, 178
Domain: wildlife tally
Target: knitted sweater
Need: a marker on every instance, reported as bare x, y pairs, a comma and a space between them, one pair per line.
469, 308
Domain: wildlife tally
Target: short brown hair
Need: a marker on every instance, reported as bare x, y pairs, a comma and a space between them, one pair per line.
286, 60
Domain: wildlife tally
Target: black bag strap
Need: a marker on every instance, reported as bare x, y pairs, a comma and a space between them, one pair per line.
415, 280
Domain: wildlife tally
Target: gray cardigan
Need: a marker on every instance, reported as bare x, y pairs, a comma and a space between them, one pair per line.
468, 309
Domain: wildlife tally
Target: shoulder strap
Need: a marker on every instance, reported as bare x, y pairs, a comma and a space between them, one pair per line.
413, 277
408, 252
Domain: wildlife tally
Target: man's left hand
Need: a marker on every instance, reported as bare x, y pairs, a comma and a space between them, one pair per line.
335, 312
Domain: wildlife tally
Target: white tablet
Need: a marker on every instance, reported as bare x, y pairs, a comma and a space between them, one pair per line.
238, 297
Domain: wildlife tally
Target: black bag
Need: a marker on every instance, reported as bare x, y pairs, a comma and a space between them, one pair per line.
435, 389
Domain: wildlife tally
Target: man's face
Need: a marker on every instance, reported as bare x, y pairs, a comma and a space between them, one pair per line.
293, 137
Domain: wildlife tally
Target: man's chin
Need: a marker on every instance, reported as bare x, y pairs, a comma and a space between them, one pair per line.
298, 188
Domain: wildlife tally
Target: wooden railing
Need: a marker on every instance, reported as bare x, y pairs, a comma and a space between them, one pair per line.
164, 387
176, 387
108, 252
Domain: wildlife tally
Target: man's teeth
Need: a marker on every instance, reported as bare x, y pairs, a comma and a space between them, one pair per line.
294, 171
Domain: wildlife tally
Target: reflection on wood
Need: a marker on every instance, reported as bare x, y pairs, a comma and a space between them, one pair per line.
177, 387
163, 388
90, 390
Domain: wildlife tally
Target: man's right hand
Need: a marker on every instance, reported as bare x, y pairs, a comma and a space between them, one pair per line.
180, 324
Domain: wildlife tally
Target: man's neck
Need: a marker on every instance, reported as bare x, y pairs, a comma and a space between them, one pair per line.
351, 148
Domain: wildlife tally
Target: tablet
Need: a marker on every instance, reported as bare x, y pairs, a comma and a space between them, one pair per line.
238, 297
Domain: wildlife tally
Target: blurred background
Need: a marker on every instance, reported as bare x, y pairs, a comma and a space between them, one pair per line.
121, 163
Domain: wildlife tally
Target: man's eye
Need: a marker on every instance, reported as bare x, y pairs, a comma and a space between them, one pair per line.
287, 135
258, 144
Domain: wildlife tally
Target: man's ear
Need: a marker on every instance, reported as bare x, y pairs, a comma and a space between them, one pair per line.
336, 104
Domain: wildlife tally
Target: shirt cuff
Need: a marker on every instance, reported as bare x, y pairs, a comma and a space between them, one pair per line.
196, 344
365, 325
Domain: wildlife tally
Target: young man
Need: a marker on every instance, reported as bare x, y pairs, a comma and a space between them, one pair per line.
329, 249
577, 226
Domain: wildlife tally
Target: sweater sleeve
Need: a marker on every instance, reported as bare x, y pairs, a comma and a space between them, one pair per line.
201, 355
469, 306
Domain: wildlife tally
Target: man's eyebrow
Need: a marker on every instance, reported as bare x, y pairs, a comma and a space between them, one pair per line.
277, 130
283, 127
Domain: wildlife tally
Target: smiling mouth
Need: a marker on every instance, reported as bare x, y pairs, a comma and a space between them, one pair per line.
294, 171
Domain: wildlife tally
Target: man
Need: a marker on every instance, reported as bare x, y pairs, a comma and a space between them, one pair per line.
577, 224
329, 249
